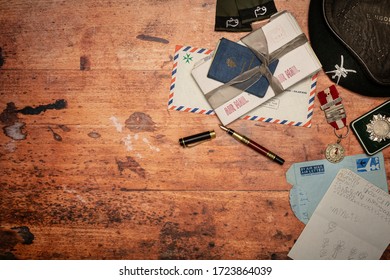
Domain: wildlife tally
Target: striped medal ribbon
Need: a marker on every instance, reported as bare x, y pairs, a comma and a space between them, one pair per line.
335, 115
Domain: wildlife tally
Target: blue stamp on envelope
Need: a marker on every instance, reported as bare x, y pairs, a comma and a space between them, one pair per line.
368, 164
312, 170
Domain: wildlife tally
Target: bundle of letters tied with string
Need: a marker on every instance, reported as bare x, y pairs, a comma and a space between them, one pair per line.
262, 65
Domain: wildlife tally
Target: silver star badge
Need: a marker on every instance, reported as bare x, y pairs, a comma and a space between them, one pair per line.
379, 128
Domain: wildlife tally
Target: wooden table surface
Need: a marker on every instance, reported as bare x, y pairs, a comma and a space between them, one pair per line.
91, 166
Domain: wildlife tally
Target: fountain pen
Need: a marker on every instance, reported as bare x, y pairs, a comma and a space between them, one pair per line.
252, 144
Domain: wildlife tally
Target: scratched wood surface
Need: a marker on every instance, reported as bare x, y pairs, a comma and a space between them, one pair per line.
90, 162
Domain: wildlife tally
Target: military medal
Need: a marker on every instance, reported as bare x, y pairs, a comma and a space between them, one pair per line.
373, 129
335, 115
379, 128
334, 152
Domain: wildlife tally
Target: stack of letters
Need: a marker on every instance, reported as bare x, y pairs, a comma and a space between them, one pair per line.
232, 78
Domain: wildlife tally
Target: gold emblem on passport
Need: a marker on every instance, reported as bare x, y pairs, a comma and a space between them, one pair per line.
230, 62
379, 128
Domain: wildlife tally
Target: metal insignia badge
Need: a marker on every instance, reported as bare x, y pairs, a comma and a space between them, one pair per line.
372, 129
379, 128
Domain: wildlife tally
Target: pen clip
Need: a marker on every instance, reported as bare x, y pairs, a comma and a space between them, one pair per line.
194, 144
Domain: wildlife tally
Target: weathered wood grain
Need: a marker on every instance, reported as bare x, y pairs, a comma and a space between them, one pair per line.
92, 167
126, 224
93, 131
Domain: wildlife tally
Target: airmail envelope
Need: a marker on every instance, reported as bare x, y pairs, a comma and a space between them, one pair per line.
312, 179
292, 107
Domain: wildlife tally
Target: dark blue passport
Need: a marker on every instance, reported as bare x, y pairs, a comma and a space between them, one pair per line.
232, 59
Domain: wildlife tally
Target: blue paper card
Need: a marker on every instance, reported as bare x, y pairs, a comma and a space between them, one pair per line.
232, 59
312, 179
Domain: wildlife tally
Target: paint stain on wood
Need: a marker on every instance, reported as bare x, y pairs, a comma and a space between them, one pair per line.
64, 127
85, 63
9, 115
144, 37
2, 59
57, 105
15, 131
11, 237
25, 234
139, 121
14, 128
132, 165
94, 134
56, 136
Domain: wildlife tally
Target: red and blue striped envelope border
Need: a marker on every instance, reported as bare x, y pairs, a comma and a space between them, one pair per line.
183, 108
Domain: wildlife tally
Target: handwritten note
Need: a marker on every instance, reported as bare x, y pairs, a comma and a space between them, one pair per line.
311, 179
352, 221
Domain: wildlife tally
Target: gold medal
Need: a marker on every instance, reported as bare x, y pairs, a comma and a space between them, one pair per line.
334, 152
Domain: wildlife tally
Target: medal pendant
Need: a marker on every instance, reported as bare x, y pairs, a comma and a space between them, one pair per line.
334, 153
336, 116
